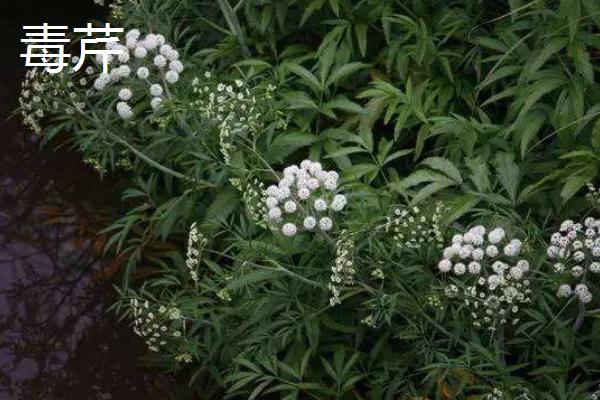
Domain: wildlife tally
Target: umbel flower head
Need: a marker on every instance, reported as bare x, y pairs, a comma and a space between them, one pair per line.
492, 277
145, 66
412, 227
235, 109
43, 95
575, 252
158, 325
306, 198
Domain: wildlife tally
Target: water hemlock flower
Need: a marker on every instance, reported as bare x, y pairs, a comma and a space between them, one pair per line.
235, 110
342, 272
305, 199
196, 243
148, 59
160, 326
493, 281
412, 227
574, 251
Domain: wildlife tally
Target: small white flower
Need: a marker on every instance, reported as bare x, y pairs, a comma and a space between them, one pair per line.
491, 251
289, 229
176, 66
156, 90
150, 41
496, 235
125, 94
313, 184
449, 252
338, 202
325, 224
172, 76
552, 252
477, 254
156, 103
577, 271
272, 191
478, 230
595, 267
458, 238
283, 193
143, 73
160, 61
445, 265
474, 267
271, 202
140, 52
133, 34
274, 213
124, 56
516, 273
330, 184
303, 193
464, 252
460, 268
310, 223
290, 206
124, 110
524, 265
320, 205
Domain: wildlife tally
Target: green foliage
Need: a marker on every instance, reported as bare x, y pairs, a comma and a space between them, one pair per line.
490, 106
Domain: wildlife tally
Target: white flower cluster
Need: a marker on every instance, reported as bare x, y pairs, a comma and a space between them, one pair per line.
496, 394
595, 395
44, 94
575, 249
593, 195
196, 243
147, 59
233, 108
305, 198
342, 272
494, 284
156, 325
411, 227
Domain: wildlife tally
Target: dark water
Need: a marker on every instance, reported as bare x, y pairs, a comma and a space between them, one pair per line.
56, 340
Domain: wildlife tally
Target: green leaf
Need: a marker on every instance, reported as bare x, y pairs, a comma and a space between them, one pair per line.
361, 37
552, 47
445, 166
595, 137
577, 180
460, 206
345, 71
509, 174
529, 128
287, 143
308, 78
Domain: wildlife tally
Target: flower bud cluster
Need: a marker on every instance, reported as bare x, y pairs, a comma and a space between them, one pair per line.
44, 94
491, 277
412, 227
159, 326
233, 108
342, 272
305, 199
575, 251
254, 196
196, 243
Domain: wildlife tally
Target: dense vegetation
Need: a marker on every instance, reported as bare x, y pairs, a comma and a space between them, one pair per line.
447, 141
